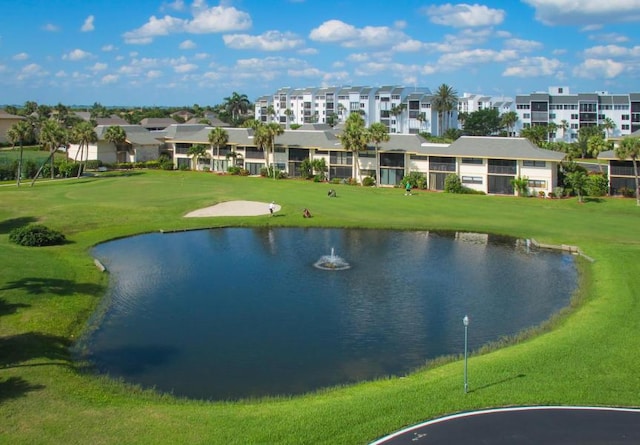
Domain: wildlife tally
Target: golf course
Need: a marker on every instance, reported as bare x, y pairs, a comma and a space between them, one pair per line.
587, 355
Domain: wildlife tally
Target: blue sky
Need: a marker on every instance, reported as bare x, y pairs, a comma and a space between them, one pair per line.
144, 52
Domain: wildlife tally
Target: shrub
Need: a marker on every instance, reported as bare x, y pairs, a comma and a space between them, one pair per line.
36, 235
626, 192
94, 164
416, 179
368, 181
452, 184
597, 185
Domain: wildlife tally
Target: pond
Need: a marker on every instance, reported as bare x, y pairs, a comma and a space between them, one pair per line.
241, 312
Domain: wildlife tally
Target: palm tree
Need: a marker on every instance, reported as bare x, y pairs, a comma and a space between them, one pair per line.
288, 112
564, 125
19, 133
271, 113
116, 135
629, 148
354, 138
378, 133
608, 125
218, 137
422, 117
196, 152
444, 102
509, 120
552, 127
51, 136
265, 138
397, 110
83, 134
236, 104
578, 181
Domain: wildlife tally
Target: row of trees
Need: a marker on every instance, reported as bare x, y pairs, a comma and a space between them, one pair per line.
51, 135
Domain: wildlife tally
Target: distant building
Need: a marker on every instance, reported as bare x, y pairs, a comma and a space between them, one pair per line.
570, 112
6, 122
403, 110
140, 146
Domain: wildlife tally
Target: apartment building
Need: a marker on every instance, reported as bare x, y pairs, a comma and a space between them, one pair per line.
570, 112
403, 110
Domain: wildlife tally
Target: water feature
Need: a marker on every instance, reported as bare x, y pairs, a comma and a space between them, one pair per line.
239, 312
331, 262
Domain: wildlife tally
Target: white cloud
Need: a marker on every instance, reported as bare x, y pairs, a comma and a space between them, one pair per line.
306, 72
599, 68
585, 12
185, 68
523, 45
21, 56
187, 44
464, 15
337, 31
30, 71
268, 41
51, 27
177, 5
205, 21
475, 57
76, 54
219, 19
611, 37
108, 48
612, 51
154, 74
109, 79
533, 67
98, 67
409, 46
88, 24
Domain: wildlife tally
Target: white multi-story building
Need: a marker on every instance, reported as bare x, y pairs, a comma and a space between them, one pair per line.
570, 112
404, 110
470, 102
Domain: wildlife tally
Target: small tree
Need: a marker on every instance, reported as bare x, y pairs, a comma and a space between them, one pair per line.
521, 184
196, 152
578, 181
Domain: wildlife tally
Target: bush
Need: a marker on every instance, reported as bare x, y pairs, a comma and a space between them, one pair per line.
416, 179
94, 164
452, 184
36, 235
368, 181
626, 192
597, 185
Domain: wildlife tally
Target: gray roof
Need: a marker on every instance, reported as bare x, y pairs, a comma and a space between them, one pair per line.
501, 148
136, 135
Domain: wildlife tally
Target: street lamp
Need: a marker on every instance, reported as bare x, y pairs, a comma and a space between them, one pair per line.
465, 322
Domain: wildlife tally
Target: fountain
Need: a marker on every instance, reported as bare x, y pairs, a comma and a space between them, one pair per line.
331, 262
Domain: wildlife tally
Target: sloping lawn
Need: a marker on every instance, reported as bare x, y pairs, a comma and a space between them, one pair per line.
588, 356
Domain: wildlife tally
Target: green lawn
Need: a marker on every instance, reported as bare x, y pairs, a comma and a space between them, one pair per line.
589, 356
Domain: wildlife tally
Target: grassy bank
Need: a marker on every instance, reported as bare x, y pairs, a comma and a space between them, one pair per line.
46, 295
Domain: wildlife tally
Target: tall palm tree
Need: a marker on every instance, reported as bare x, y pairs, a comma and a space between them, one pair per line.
354, 137
51, 136
265, 138
236, 104
608, 125
378, 133
83, 134
19, 133
288, 112
444, 102
396, 111
218, 137
509, 120
116, 135
564, 125
552, 127
629, 148
271, 113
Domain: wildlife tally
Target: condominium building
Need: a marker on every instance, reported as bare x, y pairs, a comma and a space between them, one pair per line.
570, 112
404, 110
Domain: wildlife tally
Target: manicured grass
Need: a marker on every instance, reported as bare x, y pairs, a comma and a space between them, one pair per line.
588, 357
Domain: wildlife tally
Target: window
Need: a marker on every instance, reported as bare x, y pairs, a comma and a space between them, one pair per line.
526, 116
537, 183
624, 126
477, 161
625, 117
339, 157
471, 179
530, 163
574, 116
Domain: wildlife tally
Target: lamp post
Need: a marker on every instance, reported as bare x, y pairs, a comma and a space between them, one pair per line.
465, 322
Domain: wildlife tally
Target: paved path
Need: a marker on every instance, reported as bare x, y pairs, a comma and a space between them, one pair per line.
526, 425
